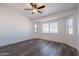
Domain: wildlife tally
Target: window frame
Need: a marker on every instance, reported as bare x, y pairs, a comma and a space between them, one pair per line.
49, 27
35, 30
69, 26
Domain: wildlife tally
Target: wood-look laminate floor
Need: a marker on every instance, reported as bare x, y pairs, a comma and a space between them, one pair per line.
38, 47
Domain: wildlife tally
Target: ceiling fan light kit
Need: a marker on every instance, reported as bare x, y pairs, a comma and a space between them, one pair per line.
34, 10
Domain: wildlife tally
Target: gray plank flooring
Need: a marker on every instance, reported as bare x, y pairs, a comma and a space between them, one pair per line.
38, 47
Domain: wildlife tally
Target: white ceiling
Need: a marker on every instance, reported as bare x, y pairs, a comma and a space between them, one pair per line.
50, 9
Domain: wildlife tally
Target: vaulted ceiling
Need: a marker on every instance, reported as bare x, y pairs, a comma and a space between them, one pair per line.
50, 9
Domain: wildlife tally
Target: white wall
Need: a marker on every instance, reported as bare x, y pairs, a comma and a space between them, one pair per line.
13, 26
61, 36
78, 28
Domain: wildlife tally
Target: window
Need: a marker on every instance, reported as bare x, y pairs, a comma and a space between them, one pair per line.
53, 27
35, 27
45, 28
70, 26
50, 27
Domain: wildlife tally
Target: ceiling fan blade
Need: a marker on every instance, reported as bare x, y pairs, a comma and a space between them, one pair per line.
31, 4
39, 11
35, 6
27, 9
41, 7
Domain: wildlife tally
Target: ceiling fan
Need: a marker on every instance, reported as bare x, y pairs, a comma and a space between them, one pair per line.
35, 8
